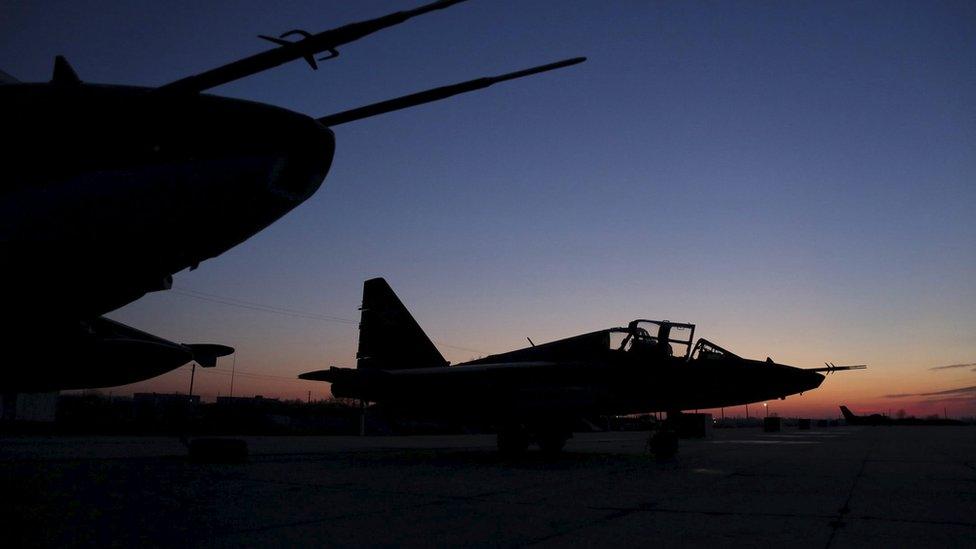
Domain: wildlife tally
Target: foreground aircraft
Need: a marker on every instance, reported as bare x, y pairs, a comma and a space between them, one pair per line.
109, 190
538, 393
879, 419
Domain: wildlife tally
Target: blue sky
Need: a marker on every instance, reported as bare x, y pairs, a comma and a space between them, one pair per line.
796, 178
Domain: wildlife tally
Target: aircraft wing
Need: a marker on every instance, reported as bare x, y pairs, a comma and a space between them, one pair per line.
109, 333
206, 354
105, 353
305, 48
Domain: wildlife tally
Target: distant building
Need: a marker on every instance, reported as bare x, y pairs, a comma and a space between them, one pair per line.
33, 407
163, 399
256, 400
159, 407
253, 414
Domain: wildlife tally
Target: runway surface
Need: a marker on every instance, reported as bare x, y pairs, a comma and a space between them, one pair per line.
829, 487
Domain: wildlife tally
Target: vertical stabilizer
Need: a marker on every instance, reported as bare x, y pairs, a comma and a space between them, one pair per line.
389, 337
7, 79
848, 414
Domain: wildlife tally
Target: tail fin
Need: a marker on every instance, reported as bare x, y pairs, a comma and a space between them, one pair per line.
848, 414
389, 337
7, 79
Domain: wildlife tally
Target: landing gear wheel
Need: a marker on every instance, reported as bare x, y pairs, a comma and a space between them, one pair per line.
513, 442
552, 443
663, 444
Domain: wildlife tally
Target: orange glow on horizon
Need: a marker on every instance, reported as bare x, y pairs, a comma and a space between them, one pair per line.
858, 390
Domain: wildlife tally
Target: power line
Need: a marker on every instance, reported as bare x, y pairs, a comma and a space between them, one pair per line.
295, 313
213, 298
249, 375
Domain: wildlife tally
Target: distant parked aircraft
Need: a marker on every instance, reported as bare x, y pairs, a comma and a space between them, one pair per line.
878, 419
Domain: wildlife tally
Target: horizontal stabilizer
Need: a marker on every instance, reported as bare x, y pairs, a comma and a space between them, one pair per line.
317, 375
340, 375
436, 94
206, 354
351, 383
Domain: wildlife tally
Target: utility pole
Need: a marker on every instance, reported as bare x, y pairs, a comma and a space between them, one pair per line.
233, 370
362, 418
193, 371
309, 397
747, 411
184, 437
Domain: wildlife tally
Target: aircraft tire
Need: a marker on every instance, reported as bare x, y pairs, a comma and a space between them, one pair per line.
512, 442
551, 443
663, 444
218, 450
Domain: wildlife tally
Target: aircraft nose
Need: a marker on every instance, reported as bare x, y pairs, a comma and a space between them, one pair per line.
808, 380
300, 170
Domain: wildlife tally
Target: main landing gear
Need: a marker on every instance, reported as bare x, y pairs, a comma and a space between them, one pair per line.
663, 442
514, 439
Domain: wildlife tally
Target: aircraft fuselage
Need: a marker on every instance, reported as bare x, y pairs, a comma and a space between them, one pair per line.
109, 190
611, 385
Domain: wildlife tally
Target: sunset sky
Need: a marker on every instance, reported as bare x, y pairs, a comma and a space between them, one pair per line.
795, 178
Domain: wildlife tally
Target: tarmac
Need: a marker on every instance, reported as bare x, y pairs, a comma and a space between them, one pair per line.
829, 487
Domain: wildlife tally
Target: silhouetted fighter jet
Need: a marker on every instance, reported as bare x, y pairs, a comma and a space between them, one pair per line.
109, 190
873, 419
539, 392
879, 419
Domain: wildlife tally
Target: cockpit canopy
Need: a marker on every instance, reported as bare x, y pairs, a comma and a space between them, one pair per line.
668, 339
637, 338
706, 350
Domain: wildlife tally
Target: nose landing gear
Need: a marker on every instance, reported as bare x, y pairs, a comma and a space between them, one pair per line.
514, 439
